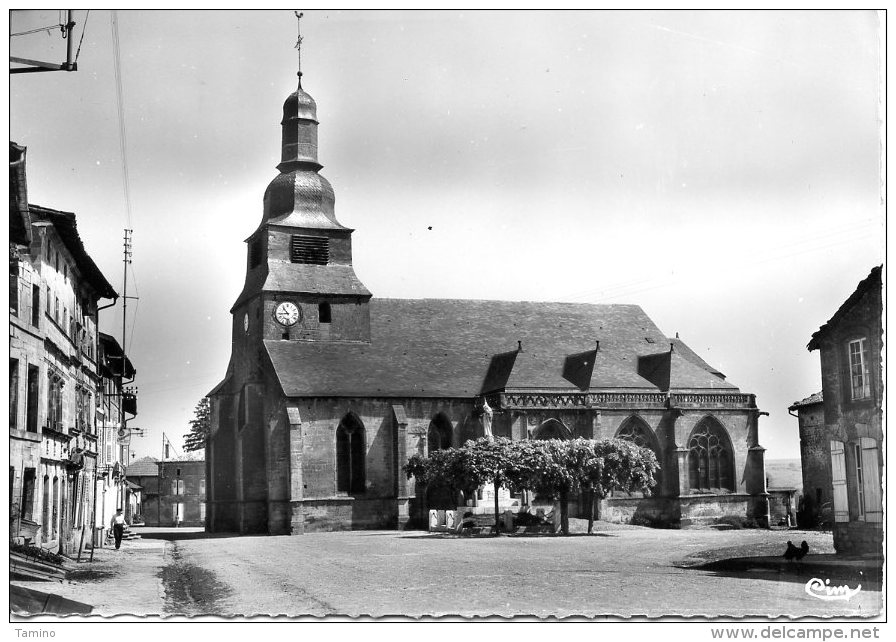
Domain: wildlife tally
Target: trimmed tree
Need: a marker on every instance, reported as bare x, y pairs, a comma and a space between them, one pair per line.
543, 466
551, 467
488, 461
475, 464
200, 425
608, 465
560, 467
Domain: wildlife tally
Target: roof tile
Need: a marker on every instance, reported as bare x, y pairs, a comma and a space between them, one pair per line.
459, 348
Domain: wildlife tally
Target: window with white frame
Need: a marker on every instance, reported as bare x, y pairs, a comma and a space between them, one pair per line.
858, 369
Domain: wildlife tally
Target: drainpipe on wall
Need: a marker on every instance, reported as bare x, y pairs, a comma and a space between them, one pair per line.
97, 352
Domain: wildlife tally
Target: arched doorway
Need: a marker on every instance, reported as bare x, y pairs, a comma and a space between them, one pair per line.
710, 458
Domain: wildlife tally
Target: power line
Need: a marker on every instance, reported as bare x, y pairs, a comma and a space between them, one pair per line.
83, 31
39, 30
847, 233
122, 134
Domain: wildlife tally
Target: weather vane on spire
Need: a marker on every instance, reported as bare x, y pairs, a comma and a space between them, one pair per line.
299, 42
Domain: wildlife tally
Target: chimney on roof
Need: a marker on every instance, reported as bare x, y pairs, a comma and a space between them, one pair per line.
597, 345
519, 346
671, 347
676, 335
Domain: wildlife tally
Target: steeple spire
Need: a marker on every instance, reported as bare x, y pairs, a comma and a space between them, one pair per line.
299, 44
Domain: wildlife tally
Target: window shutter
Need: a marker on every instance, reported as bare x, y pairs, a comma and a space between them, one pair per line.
838, 477
871, 481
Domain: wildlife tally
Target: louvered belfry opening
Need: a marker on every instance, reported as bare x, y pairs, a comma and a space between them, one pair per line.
309, 249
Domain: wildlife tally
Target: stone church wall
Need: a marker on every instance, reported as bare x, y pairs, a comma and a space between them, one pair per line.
322, 507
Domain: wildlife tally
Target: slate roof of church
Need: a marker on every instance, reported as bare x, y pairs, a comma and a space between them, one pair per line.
461, 348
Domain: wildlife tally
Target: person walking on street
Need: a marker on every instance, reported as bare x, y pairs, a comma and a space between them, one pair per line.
118, 528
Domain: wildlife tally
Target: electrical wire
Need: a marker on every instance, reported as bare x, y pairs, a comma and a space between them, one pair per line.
134, 320
83, 31
122, 134
38, 30
847, 233
123, 141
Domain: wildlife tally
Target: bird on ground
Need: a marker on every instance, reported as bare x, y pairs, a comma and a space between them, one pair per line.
792, 551
803, 550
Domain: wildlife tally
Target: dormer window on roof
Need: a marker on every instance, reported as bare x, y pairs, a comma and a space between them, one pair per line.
309, 249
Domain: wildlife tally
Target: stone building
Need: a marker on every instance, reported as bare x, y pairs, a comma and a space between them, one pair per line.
144, 474
816, 508
181, 485
114, 401
172, 490
850, 344
330, 390
55, 289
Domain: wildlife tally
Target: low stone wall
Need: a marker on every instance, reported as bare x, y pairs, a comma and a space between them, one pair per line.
347, 513
646, 511
707, 509
859, 538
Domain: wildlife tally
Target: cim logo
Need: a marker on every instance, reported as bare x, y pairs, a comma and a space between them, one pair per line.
824, 591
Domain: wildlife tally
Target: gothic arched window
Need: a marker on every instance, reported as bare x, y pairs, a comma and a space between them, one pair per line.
636, 430
710, 458
438, 437
350, 455
552, 429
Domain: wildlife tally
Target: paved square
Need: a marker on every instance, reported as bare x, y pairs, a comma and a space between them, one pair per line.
625, 572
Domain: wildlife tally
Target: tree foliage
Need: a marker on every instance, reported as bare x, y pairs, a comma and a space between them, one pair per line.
200, 425
553, 467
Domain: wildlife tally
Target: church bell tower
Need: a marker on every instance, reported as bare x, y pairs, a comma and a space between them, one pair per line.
300, 284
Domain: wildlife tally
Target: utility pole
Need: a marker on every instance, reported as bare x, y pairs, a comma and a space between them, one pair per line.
124, 361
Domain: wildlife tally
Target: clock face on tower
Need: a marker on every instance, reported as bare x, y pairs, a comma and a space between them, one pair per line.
287, 313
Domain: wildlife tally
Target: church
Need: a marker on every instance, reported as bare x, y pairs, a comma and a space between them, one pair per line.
329, 389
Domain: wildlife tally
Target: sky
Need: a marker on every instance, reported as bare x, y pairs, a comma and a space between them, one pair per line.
720, 169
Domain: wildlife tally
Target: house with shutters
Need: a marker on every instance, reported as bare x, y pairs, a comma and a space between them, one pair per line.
143, 478
172, 490
181, 484
850, 345
55, 384
114, 402
329, 389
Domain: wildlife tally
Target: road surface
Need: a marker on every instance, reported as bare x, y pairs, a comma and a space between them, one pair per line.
620, 571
